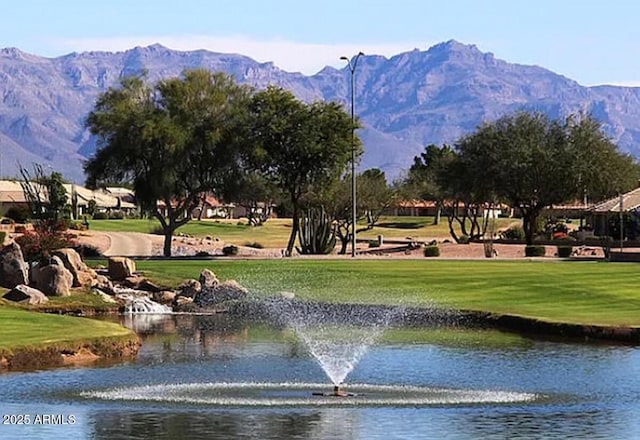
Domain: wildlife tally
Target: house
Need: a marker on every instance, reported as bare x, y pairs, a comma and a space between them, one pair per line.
12, 195
412, 208
428, 208
211, 207
124, 194
602, 215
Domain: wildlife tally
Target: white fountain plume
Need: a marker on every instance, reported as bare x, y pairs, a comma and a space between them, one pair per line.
338, 349
337, 336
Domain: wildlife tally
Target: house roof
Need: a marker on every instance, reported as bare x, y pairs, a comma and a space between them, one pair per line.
103, 200
415, 203
11, 192
630, 202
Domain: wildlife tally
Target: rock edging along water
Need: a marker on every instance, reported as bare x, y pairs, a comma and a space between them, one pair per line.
526, 325
69, 353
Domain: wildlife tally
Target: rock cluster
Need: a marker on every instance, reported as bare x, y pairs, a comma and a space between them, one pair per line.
33, 283
65, 270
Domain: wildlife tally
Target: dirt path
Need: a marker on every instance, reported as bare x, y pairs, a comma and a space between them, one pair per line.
128, 244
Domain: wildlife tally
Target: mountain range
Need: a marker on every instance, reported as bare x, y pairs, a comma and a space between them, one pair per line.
405, 102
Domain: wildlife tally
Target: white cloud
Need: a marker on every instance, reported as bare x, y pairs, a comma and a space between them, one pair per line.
291, 56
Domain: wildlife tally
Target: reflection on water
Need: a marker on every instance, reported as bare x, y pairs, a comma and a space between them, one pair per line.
589, 391
296, 424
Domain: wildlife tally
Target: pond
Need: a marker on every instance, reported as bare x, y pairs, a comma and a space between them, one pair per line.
218, 378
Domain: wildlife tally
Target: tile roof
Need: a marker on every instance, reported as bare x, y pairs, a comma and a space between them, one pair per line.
630, 202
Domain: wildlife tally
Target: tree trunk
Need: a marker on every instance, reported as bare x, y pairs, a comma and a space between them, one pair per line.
168, 235
294, 231
436, 220
529, 221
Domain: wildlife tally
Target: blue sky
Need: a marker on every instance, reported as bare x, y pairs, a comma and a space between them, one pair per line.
593, 42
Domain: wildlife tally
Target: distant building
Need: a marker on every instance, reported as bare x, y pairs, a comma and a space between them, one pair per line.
12, 195
601, 215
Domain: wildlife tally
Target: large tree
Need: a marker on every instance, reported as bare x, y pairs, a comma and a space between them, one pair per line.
297, 145
424, 180
374, 195
533, 162
173, 141
601, 170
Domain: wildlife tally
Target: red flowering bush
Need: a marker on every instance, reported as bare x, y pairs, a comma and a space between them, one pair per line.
37, 245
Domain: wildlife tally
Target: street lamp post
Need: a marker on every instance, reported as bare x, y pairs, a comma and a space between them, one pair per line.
352, 64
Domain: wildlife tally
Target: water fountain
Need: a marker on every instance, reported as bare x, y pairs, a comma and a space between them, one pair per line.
337, 337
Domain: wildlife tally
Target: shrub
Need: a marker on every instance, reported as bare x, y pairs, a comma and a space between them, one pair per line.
202, 254
464, 239
230, 250
19, 214
254, 245
374, 243
100, 216
38, 244
534, 251
514, 233
565, 251
116, 215
432, 251
77, 225
87, 251
157, 230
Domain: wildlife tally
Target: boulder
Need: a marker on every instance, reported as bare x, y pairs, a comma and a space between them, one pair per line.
121, 268
229, 290
82, 275
26, 295
182, 301
54, 280
103, 283
208, 279
148, 286
189, 288
56, 261
164, 297
13, 269
105, 297
133, 281
87, 279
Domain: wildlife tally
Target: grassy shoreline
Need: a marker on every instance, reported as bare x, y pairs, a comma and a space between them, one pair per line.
583, 293
594, 295
36, 340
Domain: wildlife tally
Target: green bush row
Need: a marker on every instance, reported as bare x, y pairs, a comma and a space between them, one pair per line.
432, 251
565, 251
534, 251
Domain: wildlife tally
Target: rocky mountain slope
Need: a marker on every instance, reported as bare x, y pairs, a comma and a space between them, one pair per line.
405, 102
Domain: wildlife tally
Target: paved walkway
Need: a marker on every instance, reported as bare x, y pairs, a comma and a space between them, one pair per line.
129, 244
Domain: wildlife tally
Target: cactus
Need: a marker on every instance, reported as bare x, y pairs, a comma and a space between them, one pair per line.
316, 234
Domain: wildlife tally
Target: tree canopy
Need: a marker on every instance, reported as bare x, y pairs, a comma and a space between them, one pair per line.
173, 141
297, 145
528, 161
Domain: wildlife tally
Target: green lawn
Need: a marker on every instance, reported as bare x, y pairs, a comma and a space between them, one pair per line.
22, 328
275, 232
571, 292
